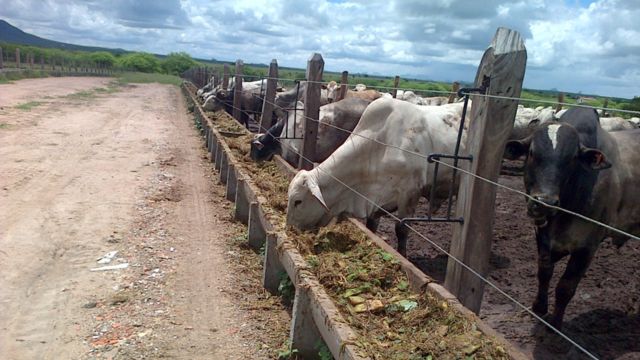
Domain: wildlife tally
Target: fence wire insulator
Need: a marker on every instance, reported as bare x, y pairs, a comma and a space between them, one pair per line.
456, 157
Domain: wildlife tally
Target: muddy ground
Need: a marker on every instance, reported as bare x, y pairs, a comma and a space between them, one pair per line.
603, 315
90, 167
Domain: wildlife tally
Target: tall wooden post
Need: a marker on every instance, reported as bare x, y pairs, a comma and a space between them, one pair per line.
605, 106
18, 58
225, 77
315, 68
560, 101
217, 78
1, 59
396, 81
237, 93
503, 64
344, 85
266, 120
454, 92
41, 62
31, 60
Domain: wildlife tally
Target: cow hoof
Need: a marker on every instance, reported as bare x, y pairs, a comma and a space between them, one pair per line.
555, 322
403, 252
540, 308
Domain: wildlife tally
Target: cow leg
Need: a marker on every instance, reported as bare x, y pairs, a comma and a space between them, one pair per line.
545, 271
372, 223
402, 232
244, 118
406, 208
576, 268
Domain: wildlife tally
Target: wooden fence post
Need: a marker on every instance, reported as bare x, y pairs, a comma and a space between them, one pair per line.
454, 92
396, 81
560, 101
605, 106
491, 122
18, 58
315, 67
31, 60
344, 85
225, 77
266, 120
1, 59
237, 93
41, 62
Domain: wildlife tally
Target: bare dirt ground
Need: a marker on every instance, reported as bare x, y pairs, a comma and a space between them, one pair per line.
86, 172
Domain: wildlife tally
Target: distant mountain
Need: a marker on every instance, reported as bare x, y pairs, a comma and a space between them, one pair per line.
13, 35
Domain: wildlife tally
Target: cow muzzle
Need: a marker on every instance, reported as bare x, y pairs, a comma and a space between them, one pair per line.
540, 208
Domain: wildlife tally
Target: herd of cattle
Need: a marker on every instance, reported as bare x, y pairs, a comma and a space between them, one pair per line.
371, 151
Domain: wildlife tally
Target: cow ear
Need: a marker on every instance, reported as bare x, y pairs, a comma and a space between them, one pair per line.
516, 149
593, 159
533, 123
324, 86
315, 191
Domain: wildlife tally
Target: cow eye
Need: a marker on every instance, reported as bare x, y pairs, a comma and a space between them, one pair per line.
297, 202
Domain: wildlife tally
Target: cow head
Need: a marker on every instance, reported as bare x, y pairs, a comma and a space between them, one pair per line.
554, 158
332, 91
306, 208
264, 146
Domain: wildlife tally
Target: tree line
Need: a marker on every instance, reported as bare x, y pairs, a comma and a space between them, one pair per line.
173, 64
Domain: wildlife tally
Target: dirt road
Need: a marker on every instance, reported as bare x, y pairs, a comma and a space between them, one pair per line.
89, 168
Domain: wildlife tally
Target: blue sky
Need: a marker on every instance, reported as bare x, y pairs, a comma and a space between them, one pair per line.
572, 45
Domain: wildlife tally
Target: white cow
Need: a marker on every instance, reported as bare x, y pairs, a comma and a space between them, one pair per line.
528, 119
413, 98
360, 87
616, 124
383, 175
361, 92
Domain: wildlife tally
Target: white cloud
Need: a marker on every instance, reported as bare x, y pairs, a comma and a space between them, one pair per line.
593, 49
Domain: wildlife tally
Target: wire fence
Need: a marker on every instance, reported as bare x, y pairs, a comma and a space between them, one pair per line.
448, 93
435, 245
463, 171
442, 250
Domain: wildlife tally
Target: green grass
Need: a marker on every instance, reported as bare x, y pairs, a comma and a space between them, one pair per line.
28, 105
8, 77
4, 126
82, 95
143, 78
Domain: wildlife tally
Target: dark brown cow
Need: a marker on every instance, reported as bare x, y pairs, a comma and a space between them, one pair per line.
576, 165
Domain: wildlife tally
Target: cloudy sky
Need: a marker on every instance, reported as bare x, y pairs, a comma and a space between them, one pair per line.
592, 46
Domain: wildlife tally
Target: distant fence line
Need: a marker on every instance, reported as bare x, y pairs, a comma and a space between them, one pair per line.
26, 61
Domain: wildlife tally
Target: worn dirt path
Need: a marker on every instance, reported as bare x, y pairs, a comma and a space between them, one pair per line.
85, 172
